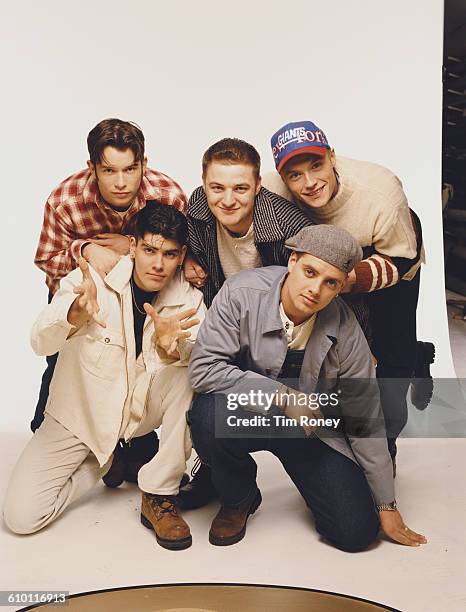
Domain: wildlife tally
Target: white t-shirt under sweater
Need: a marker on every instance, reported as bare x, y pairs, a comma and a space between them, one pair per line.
237, 253
370, 204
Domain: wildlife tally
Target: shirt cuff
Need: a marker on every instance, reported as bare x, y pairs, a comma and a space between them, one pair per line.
374, 273
77, 248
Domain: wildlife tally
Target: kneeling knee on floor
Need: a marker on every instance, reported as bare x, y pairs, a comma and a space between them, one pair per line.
23, 518
356, 541
355, 538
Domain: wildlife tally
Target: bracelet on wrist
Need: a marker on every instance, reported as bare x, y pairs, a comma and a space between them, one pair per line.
391, 507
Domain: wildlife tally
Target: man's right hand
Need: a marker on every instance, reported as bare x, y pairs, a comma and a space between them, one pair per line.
85, 306
102, 259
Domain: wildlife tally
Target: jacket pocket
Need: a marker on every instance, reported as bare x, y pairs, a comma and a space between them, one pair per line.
103, 356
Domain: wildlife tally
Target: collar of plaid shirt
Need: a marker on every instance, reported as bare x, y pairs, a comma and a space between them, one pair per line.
146, 191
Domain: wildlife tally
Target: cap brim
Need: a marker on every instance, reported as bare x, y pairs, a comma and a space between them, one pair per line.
314, 150
292, 247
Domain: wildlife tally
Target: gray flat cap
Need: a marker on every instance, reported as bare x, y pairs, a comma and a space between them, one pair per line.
331, 244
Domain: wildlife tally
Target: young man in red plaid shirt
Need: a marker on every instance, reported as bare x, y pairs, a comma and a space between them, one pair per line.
91, 213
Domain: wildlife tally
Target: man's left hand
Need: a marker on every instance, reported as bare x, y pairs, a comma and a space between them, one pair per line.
393, 526
194, 273
170, 330
117, 242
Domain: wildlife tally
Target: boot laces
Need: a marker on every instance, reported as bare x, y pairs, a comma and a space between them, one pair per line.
167, 506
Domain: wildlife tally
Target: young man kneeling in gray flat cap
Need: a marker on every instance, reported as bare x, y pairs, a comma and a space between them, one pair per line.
281, 365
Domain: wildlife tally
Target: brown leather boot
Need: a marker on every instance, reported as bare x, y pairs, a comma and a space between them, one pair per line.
229, 526
160, 514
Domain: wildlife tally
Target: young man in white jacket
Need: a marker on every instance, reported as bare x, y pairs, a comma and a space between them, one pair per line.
123, 345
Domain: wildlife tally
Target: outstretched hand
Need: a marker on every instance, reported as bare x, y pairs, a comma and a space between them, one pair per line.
393, 526
85, 307
170, 330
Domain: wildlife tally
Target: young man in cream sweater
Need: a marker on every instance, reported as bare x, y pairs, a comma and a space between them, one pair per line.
368, 201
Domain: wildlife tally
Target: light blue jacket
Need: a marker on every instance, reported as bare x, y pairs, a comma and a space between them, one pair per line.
241, 346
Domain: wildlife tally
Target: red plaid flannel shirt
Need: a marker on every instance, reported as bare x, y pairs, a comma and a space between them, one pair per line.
75, 212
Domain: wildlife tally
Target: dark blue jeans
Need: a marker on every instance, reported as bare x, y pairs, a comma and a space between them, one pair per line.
44, 386
333, 487
44, 392
393, 321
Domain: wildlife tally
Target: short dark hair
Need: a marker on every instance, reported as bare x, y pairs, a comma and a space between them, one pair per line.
232, 151
162, 219
115, 133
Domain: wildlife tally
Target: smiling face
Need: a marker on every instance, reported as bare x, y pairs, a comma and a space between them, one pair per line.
231, 190
155, 261
310, 286
118, 176
311, 178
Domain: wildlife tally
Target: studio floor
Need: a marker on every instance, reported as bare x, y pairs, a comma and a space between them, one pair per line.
99, 543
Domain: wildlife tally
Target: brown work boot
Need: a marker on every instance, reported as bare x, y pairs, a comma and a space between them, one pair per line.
160, 514
229, 526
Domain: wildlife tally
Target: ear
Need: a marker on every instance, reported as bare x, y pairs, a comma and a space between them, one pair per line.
343, 284
132, 247
182, 255
292, 260
332, 157
258, 184
144, 164
91, 167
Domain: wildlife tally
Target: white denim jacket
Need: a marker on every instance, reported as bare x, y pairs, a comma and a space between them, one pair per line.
96, 377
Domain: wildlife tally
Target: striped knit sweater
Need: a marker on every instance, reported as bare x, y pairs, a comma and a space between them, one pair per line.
371, 205
275, 220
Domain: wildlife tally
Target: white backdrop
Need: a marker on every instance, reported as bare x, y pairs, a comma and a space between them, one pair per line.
189, 73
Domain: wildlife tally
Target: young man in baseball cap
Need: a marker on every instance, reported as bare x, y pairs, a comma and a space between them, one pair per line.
265, 327
368, 201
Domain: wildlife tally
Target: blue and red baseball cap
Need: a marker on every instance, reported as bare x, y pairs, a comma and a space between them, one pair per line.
295, 139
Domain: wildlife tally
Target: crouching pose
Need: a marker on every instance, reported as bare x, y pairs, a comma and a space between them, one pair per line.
124, 343
265, 327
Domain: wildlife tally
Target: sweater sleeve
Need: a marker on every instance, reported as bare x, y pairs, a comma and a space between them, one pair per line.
394, 244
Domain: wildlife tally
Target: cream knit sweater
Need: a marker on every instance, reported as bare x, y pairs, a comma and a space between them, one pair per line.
371, 205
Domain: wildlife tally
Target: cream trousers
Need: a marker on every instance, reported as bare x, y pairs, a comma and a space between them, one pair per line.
56, 468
